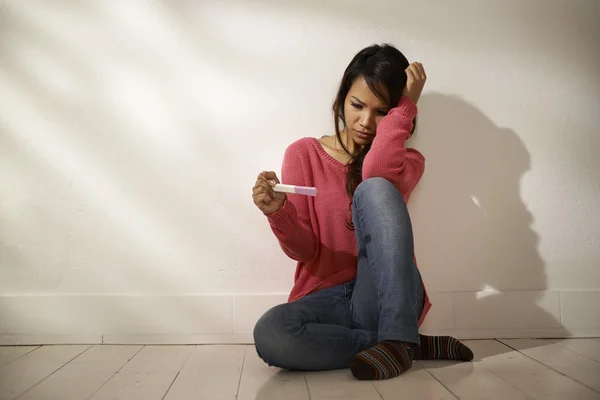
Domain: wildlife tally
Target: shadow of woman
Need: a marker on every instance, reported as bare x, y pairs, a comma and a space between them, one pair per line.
473, 231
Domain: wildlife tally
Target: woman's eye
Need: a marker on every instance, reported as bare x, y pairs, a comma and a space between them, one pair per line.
382, 113
357, 106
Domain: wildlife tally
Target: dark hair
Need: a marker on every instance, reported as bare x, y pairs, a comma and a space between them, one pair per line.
383, 68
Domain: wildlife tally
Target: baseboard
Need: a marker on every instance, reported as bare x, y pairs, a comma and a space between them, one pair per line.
515, 333
230, 319
178, 339
36, 340
247, 339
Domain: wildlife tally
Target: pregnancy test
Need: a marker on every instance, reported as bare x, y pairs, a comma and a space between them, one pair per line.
307, 191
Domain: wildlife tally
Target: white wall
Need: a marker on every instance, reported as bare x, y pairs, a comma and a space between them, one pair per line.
131, 134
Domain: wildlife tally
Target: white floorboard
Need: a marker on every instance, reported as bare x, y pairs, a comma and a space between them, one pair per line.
259, 381
502, 369
416, 383
472, 381
589, 348
148, 376
33, 367
561, 359
9, 354
83, 376
340, 385
532, 377
212, 372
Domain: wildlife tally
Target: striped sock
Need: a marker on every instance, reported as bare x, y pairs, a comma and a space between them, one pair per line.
441, 348
386, 360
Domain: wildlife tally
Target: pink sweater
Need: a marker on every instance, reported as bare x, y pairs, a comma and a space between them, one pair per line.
312, 230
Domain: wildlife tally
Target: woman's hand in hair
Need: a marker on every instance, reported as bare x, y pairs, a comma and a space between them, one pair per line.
265, 198
416, 77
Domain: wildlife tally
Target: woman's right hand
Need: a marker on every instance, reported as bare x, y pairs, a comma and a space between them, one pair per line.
265, 198
415, 81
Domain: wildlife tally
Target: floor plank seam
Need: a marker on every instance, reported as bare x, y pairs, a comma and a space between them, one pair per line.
51, 373
171, 385
553, 369
178, 372
377, 391
504, 379
576, 352
441, 383
113, 375
307, 387
237, 392
22, 355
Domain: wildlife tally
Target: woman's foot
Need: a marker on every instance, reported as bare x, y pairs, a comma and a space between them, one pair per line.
441, 348
386, 360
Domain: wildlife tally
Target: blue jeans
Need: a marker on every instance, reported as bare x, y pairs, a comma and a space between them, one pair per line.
324, 330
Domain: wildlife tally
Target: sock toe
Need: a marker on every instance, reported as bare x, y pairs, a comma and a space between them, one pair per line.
465, 353
362, 370
386, 360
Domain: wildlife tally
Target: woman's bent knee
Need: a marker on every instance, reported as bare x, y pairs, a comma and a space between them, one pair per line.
271, 337
376, 188
376, 194
375, 183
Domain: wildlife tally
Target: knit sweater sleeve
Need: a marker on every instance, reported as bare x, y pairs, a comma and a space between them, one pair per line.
291, 224
388, 157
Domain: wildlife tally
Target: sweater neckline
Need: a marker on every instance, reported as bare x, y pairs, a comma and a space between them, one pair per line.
326, 155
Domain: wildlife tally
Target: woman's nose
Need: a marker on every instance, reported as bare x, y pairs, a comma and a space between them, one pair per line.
367, 120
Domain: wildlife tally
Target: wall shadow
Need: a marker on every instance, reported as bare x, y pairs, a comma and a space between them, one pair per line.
473, 231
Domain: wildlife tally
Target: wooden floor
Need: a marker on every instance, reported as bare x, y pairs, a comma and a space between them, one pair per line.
503, 369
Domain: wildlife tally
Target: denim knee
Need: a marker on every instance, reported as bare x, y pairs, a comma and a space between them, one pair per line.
375, 188
271, 338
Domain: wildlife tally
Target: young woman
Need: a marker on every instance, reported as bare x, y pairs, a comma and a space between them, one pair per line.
358, 299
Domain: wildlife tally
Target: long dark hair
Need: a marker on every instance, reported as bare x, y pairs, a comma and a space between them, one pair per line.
382, 67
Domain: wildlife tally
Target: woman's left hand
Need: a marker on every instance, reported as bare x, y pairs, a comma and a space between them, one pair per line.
416, 77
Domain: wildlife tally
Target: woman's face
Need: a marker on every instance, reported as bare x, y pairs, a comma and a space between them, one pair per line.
362, 110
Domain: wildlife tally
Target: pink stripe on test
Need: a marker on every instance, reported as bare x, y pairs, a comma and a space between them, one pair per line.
307, 191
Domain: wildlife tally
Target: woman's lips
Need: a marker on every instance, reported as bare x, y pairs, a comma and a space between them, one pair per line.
363, 135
